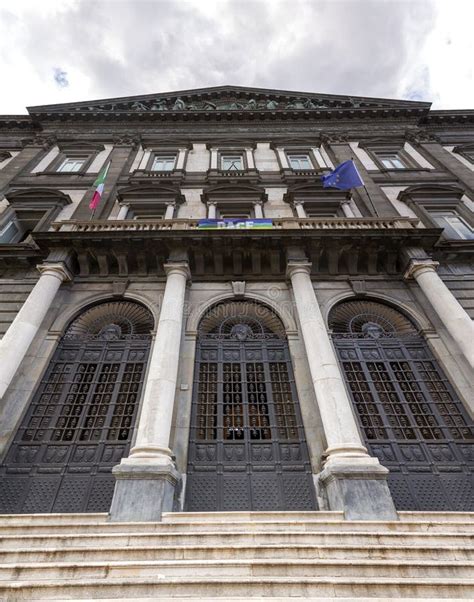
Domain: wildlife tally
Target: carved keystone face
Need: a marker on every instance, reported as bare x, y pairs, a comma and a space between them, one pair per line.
372, 330
111, 332
241, 332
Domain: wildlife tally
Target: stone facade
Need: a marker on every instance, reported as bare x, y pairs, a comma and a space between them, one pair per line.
383, 243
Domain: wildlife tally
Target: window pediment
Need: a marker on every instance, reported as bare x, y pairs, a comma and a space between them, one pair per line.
234, 194
71, 147
4, 155
132, 195
430, 195
38, 197
315, 194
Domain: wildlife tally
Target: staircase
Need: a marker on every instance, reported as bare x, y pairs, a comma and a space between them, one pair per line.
237, 556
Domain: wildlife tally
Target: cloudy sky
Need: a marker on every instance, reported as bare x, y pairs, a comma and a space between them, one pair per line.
54, 51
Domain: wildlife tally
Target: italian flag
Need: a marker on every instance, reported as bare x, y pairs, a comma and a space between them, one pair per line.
99, 188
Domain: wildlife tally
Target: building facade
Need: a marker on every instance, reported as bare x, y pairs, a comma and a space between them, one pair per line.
223, 333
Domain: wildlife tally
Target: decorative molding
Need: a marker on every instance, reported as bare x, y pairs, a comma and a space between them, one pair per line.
119, 287
60, 270
415, 265
358, 286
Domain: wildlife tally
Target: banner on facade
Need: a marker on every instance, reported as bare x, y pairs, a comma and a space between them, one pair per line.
235, 224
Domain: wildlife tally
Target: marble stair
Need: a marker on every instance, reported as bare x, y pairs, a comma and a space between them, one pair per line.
237, 556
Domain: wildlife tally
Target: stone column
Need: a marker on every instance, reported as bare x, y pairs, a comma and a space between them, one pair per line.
19, 336
169, 213
211, 211
258, 210
147, 479
122, 214
300, 212
351, 480
449, 310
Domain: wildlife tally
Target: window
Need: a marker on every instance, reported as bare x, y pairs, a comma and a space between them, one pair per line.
454, 226
163, 163
232, 163
391, 160
229, 214
300, 161
72, 164
318, 214
11, 231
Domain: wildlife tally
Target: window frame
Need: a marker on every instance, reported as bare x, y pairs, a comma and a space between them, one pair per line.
443, 213
466, 151
392, 157
37, 208
232, 155
83, 158
162, 156
298, 155
376, 149
426, 199
72, 151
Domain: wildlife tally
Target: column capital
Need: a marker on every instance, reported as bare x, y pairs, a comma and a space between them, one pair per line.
298, 203
58, 269
298, 267
178, 267
415, 265
211, 203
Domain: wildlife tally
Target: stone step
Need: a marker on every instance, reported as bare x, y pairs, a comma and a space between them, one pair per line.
277, 599
245, 526
232, 538
222, 552
237, 517
407, 569
225, 589
19, 520
444, 517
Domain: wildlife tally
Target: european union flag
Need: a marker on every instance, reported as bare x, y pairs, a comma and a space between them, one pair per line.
345, 176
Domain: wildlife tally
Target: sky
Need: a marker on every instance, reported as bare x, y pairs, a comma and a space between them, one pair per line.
56, 51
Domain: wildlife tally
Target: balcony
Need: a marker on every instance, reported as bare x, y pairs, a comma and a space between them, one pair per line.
286, 223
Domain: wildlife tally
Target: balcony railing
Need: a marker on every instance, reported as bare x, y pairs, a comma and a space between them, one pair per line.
285, 223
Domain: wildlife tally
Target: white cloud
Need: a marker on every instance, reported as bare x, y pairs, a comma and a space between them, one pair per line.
392, 48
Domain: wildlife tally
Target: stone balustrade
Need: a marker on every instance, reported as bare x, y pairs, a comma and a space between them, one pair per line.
361, 223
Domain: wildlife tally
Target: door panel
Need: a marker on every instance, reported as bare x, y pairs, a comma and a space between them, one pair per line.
247, 446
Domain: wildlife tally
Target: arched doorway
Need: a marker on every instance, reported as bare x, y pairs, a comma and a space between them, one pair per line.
80, 421
408, 412
247, 447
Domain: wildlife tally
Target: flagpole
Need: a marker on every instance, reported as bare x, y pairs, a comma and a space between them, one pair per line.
366, 191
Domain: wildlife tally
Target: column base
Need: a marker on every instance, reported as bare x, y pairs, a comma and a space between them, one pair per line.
358, 487
143, 491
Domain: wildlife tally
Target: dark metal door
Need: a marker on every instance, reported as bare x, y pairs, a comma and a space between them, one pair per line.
408, 412
78, 426
247, 448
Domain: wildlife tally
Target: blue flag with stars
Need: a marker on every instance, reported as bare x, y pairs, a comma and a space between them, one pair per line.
345, 176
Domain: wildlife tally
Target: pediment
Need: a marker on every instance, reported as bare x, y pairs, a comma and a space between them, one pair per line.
228, 98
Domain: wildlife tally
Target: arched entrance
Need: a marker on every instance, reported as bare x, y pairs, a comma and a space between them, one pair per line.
408, 412
80, 421
247, 448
